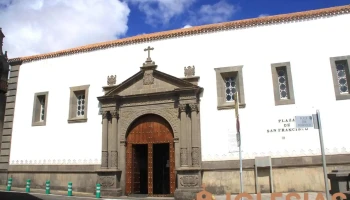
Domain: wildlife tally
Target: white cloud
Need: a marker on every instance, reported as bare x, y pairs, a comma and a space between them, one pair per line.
162, 11
187, 26
215, 13
41, 26
263, 15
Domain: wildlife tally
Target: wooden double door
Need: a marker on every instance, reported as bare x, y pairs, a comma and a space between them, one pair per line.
150, 157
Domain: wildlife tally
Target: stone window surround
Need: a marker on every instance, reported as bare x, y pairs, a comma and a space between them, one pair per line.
36, 109
278, 100
333, 60
73, 103
221, 73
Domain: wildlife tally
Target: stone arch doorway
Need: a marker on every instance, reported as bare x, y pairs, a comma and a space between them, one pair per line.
150, 157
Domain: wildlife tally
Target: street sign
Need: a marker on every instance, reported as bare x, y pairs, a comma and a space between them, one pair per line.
304, 121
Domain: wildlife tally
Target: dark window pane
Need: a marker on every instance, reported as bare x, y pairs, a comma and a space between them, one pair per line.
343, 88
340, 67
282, 80
280, 72
342, 81
284, 94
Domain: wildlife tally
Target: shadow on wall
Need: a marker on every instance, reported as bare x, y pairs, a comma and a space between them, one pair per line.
13, 195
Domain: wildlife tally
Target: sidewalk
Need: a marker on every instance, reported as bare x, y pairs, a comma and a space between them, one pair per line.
54, 192
264, 196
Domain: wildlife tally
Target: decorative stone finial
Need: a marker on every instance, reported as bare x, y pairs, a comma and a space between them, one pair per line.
111, 80
189, 71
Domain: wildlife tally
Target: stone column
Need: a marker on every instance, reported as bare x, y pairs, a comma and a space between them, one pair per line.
183, 139
114, 141
122, 164
104, 161
189, 137
195, 136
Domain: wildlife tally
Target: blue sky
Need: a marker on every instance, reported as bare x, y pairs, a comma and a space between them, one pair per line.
41, 26
245, 9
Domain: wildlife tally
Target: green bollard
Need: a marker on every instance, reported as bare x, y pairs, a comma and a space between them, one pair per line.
9, 184
98, 191
70, 192
28, 186
47, 187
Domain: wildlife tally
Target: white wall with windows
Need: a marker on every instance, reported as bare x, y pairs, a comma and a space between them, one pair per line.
306, 45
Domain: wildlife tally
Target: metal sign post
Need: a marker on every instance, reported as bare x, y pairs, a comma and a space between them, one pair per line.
239, 140
315, 121
317, 118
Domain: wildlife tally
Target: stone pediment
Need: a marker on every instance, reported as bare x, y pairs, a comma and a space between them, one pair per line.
148, 82
151, 86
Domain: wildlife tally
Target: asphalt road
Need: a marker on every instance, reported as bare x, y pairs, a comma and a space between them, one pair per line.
35, 196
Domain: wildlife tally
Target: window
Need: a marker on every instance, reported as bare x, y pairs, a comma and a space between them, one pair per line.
229, 80
340, 72
78, 104
282, 83
40, 109
230, 88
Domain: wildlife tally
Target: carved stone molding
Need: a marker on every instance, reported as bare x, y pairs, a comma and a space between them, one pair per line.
104, 114
114, 159
109, 104
114, 113
187, 97
196, 156
189, 180
194, 107
148, 78
148, 101
104, 161
182, 107
169, 114
106, 181
183, 156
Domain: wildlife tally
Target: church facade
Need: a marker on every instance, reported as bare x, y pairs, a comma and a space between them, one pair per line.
154, 114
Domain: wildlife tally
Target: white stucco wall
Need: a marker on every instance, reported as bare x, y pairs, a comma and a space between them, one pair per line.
306, 45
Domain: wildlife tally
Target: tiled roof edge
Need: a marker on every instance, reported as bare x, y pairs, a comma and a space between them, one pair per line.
239, 24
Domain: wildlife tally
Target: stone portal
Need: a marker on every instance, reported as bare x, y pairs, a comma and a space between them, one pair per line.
151, 115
